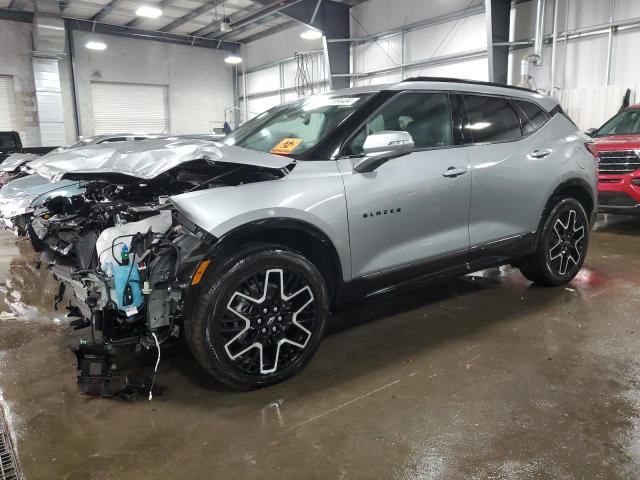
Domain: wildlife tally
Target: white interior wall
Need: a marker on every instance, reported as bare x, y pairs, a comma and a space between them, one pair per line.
15, 61
585, 63
199, 83
583, 68
277, 47
376, 16
459, 36
271, 84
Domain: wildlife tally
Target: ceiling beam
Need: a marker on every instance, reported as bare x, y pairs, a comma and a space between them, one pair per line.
238, 21
106, 10
161, 5
166, 37
191, 15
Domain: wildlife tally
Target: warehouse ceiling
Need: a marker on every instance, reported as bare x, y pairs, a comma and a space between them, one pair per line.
250, 20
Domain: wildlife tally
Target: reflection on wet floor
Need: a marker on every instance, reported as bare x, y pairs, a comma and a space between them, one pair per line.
484, 376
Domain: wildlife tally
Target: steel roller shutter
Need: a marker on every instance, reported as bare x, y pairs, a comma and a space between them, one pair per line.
125, 107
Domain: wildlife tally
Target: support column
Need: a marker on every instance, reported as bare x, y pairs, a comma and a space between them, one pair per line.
498, 14
332, 18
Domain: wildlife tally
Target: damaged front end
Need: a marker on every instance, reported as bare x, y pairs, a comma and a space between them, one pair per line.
125, 259
134, 296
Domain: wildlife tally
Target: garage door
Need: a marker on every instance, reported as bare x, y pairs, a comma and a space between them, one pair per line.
120, 107
7, 103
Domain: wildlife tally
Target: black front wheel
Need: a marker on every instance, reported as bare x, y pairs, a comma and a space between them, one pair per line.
259, 317
562, 245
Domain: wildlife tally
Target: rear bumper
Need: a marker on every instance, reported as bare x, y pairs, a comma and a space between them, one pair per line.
618, 194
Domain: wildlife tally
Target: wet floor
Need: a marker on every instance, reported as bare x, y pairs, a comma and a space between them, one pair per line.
483, 377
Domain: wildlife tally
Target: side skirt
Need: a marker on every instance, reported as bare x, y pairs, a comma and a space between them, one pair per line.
452, 265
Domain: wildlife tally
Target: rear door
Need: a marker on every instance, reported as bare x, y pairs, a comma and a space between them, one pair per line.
511, 159
412, 211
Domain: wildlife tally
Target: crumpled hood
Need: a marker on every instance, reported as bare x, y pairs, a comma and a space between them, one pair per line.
15, 161
148, 159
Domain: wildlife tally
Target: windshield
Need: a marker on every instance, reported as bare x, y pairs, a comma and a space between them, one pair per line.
624, 123
296, 127
79, 143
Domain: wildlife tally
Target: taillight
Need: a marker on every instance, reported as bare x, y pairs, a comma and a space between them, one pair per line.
593, 150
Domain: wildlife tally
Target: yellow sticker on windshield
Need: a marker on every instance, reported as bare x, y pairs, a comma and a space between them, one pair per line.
286, 146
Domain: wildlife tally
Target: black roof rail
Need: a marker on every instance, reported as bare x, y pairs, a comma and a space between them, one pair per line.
461, 80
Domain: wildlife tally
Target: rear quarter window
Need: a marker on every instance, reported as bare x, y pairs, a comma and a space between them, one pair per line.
533, 116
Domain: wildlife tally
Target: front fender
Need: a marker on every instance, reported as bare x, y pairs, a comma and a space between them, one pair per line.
313, 193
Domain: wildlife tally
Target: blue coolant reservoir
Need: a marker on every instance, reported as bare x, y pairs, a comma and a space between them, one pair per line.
128, 292
117, 261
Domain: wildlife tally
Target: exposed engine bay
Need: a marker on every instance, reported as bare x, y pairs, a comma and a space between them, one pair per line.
123, 255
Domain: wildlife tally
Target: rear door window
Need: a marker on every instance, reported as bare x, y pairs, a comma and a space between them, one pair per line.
533, 117
491, 119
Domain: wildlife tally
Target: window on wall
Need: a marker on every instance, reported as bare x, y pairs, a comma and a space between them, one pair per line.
426, 116
7, 104
491, 119
124, 107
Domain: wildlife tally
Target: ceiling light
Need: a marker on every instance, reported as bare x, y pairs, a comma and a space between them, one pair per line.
149, 12
233, 59
311, 34
93, 45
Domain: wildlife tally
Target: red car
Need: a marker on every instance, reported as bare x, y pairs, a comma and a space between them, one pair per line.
617, 143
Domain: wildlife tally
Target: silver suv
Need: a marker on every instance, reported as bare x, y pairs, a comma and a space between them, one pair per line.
353, 194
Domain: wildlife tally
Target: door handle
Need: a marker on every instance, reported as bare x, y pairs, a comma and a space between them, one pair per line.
540, 153
453, 172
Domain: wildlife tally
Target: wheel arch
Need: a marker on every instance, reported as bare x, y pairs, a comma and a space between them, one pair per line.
576, 188
298, 235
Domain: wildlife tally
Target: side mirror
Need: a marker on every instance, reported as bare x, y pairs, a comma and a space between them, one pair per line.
591, 132
383, 146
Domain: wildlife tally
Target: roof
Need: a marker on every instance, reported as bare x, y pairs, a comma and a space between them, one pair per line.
470, 82
474, 86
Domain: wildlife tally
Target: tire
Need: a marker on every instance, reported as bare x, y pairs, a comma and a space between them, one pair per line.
263, 295
562, 245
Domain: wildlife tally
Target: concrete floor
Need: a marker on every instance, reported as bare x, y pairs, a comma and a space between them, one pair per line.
481, 377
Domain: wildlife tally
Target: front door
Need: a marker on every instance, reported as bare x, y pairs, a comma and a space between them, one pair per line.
412, 212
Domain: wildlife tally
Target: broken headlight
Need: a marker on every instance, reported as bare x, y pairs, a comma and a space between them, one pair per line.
13, 207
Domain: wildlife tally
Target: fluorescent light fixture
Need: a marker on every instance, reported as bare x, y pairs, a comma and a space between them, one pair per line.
149, 12
311, 34
233, 59
94, 45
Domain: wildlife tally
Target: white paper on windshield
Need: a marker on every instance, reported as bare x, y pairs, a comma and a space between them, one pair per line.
317, 102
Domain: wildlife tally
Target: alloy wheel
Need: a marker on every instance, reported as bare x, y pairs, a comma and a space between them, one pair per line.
268, 321
568, 242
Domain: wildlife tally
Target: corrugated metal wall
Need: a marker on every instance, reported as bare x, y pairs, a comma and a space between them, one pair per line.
449, 39
281, 81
